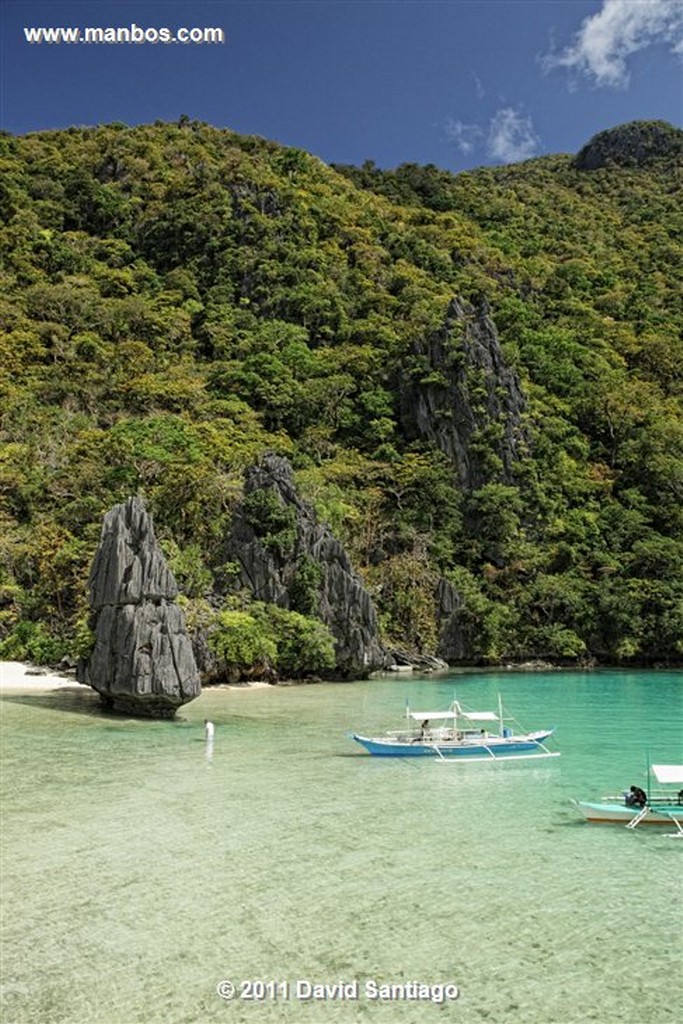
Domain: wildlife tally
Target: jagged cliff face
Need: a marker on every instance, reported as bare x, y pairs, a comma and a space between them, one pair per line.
453, 644
287, 558
467, 400
142, 662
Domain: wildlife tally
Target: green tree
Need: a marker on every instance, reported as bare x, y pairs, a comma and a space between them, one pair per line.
304, 645
243, 645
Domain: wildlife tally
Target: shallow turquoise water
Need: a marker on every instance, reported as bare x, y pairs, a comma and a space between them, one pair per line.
137, 873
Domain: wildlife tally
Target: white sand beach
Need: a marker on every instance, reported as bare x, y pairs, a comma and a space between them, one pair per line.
17, 675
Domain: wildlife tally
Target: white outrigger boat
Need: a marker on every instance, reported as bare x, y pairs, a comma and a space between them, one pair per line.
452, 734
635, 807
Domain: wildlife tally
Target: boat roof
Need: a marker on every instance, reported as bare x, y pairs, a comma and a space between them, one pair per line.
672, 773
475, 716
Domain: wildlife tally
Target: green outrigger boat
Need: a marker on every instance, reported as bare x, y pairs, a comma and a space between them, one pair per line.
636, 807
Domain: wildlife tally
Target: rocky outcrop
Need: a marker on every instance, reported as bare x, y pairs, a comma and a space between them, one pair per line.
466, 399
453, 644
286, 557
636, 144
142, 661
403, 660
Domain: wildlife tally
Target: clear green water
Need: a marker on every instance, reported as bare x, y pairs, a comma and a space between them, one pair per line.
137, 874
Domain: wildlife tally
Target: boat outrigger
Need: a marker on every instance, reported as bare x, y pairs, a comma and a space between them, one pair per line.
458, 733
636, 807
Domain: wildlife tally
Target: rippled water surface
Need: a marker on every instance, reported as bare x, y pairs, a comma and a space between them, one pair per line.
137, 873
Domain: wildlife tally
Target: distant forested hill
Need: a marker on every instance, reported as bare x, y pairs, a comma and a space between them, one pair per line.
477, 378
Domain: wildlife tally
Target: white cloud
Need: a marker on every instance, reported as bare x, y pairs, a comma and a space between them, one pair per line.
511, 136
508, 137
478, 85
466, 136
621, 28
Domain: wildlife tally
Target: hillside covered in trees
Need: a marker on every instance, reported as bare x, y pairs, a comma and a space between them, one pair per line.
476, 378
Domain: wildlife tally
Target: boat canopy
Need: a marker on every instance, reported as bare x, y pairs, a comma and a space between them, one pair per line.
671, 773
430, 716
474, 716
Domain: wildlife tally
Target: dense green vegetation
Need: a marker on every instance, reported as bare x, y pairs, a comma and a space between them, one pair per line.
177, 300
268, 641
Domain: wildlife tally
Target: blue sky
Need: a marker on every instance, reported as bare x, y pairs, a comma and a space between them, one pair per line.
458, 84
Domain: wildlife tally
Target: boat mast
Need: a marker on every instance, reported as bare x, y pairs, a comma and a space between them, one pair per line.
500, 715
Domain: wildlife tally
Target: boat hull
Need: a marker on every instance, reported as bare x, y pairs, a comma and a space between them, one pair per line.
495, 748
619, 814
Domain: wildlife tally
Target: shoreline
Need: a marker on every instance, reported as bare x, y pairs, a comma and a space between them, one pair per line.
24, 676
19, 675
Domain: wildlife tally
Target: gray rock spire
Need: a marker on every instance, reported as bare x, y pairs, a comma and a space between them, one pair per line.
467, 400
279, 534
142, 662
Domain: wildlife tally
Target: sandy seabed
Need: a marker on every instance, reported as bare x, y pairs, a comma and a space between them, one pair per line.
17, 675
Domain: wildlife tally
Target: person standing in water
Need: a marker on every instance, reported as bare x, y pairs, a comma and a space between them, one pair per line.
208, 733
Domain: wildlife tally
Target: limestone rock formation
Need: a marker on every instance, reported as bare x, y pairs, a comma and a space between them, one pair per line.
467, 400
402, 659
288, 558
142, 662
636, 144
453, 640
